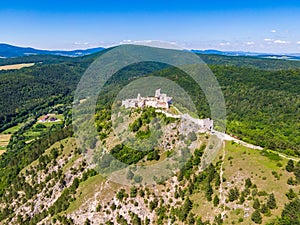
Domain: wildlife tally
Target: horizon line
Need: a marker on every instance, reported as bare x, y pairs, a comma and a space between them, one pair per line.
133, 43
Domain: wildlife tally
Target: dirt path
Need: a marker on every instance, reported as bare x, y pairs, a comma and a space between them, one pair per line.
226, 137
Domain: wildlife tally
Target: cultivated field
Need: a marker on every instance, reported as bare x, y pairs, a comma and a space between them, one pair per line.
4, 140
16, 66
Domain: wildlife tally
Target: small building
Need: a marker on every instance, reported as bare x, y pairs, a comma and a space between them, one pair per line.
43, 118
52, 119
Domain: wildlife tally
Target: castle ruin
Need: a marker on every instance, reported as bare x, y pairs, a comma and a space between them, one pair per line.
158, 101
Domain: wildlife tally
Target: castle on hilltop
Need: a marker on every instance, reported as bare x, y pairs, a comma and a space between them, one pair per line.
158, 101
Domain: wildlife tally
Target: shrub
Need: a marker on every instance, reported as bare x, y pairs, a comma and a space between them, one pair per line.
290, 166
271, 203
256, 217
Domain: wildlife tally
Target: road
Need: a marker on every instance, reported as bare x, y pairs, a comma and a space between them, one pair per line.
226, 137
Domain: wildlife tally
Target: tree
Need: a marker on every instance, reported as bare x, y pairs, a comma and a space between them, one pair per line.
248, 183
133, 192
138, 179
290, 166
192, 136
256, 217
154, 155
291, 213
191, 219
297, 172
271, 203
218, 219
242, 198
264, 209
291, 194
208, 192
186, 208
256, 204
121, 194
135, 126
216, 200
40, 126
87, 222
130, 175
233, 194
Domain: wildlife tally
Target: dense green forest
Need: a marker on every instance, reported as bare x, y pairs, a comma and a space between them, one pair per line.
262, 95
262, 106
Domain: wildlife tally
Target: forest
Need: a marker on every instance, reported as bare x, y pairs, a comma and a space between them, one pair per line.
262, 95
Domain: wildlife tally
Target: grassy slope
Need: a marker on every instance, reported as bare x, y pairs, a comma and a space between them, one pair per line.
68, 143
250, 163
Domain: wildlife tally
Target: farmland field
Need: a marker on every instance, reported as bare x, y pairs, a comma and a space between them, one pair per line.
16, 66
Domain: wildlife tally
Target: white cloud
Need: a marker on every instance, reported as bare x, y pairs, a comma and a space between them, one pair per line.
81, 43
298, 42
268, 39
249, 43
281, 42
225, 43
152, 43
273, 31
125, 42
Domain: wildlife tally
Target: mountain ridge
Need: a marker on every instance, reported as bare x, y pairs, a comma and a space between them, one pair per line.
286, 56
10, 51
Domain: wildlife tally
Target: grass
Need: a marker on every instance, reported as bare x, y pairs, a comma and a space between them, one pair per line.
13, 129
202, 206
70, 163
251, 163
33, 133
173, 110
86, 191
68, 146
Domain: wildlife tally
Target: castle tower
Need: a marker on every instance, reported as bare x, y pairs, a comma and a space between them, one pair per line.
157, 93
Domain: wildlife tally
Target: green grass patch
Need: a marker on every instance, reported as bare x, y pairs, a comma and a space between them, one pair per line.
85, 191
13, 129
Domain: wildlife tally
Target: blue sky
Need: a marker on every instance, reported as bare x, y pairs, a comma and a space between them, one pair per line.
261, 26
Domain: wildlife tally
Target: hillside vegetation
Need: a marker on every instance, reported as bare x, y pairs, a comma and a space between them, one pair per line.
45, 179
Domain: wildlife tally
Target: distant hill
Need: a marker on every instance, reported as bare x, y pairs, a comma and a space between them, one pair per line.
291, 56
9, 51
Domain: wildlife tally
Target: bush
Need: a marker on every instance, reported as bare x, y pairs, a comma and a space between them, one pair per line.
216, 201
291, 194
256, 217
290, 166
154, 155
138, 179
291, 213
40, 126
256, 204
130, 175
233, 194
271, 203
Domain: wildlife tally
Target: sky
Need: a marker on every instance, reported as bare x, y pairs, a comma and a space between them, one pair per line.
244, 25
